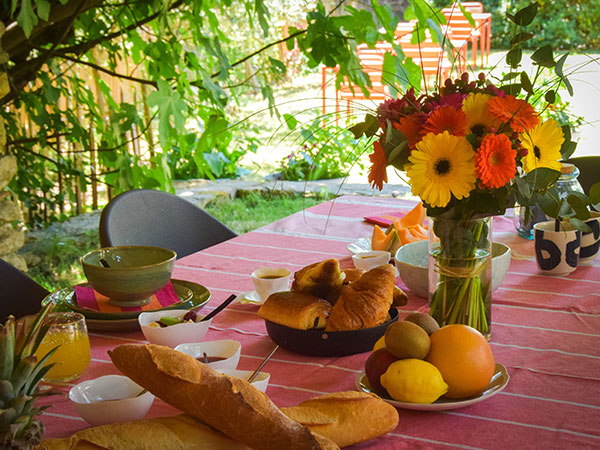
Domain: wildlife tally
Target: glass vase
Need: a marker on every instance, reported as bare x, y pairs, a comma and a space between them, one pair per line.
460, 272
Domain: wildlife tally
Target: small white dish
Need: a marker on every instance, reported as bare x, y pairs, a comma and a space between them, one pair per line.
370, 260
228, 349
498, 383
110, 399
250, 298
172, 335
260, 382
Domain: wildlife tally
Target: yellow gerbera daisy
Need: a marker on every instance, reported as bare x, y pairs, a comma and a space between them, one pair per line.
543, 144
480, 120
442, 165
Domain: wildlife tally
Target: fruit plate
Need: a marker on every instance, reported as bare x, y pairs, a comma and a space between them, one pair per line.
328, 343
499, 382
63, 299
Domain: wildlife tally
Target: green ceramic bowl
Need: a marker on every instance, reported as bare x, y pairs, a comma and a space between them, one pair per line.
133, 274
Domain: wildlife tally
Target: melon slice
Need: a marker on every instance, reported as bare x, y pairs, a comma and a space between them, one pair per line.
415, 216
383, 241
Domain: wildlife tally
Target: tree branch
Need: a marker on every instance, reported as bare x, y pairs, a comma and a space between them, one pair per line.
108, 72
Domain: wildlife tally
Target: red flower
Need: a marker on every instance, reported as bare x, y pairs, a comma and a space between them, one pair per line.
518, 113
377, 172
446, 118
411, 128
495, 161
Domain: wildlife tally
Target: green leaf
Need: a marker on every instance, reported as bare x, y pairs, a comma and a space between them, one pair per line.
544, 56
278, 66
550, 204
290, 121
368, 127
550, 96
526, 83
43, 9
511, 89
558, 69
542, 177
513, 57
594, 195
524, 16
170, 104
579, 203
520, 37
27, 18
579, 225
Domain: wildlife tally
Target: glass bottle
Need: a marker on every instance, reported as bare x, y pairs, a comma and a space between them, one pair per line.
566, 183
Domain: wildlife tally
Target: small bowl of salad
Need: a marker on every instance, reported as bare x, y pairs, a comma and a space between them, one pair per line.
173, 327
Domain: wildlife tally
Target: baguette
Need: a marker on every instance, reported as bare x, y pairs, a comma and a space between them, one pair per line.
229, 404
346, 417
180, 432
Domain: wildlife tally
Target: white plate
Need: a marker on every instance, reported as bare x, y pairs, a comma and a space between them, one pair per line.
499, 382
250, 298
360, 245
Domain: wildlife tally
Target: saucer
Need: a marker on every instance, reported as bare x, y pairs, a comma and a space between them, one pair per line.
250, 298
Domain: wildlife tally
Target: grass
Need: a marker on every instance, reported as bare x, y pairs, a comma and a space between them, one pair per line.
60, 268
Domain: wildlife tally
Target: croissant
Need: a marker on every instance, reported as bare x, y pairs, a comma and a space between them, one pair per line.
322, 279
364, 303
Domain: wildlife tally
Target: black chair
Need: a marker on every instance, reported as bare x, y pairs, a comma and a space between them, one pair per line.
19, 294
589, 170
159, 219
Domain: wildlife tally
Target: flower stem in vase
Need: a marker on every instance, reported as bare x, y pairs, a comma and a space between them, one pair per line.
460, 272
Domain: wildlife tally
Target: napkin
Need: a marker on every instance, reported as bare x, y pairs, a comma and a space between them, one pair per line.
88, 298
385, 220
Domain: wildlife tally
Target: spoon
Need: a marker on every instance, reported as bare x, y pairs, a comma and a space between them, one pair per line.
262, 364
219, 308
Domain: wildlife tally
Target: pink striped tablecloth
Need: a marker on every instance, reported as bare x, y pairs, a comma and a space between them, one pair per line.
546, 331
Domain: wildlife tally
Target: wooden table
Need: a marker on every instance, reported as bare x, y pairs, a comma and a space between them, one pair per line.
545, 330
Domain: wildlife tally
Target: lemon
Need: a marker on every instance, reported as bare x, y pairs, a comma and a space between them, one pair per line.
379, 344
414, 381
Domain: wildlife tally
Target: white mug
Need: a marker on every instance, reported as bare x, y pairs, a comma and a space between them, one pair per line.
268, 280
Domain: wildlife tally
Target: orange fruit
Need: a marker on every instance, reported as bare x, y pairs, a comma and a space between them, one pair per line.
464, 358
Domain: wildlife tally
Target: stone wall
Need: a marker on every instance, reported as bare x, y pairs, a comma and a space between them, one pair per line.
12, 232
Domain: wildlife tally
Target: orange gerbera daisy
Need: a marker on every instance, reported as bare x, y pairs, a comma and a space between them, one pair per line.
518, 113
377, 172
495, 161
411, 128
446, 118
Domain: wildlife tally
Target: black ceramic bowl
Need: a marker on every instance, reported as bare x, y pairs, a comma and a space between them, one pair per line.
328, 343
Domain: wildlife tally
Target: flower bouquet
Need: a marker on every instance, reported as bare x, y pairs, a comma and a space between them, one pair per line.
468, 150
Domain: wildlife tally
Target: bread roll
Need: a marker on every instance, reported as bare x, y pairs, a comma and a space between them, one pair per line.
346, 417
364, 303
229, 404
322, 279
295, 310
180, 432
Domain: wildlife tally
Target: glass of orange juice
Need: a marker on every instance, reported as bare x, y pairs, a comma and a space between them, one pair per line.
68, 331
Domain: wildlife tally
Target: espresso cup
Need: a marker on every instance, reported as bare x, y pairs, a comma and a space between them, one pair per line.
268, 280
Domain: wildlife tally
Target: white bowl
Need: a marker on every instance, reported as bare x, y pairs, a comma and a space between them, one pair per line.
227, 348
172, 335
370, 260
110, 399
260, 382
412, 264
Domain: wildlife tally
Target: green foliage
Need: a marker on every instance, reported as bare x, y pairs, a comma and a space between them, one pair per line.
328, 151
